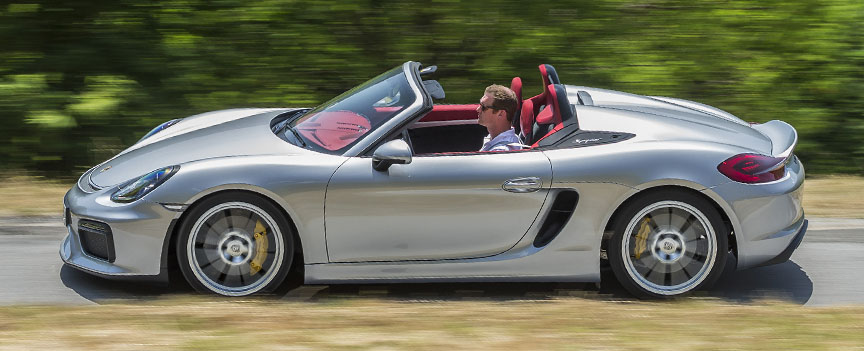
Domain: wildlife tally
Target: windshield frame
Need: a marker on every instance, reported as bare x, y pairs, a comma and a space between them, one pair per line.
422, 103
407, 74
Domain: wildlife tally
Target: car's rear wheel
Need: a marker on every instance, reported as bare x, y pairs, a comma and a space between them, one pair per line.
235, 244
668, 244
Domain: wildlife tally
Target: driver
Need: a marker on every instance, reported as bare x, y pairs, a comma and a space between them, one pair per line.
496, 110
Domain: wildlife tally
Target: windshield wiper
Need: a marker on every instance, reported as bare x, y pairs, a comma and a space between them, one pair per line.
279, 127
296, 136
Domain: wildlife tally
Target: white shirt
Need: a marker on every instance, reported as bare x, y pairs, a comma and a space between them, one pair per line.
506, 141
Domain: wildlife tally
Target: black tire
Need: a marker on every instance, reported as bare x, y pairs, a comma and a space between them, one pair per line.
235, 244
668, 243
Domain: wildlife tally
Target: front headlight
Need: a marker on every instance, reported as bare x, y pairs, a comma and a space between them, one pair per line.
136, 189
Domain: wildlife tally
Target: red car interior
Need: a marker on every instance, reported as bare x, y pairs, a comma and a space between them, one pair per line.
557, 113
516, 86
451, 113
535, 118
334, 130
549, 76
526, 121
548, 112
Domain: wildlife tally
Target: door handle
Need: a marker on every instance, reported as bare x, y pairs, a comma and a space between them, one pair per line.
523, 185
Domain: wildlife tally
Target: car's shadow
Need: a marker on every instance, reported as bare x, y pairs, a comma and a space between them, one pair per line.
786, 281
98, 289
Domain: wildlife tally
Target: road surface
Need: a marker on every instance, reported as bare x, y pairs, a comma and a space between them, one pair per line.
827, 269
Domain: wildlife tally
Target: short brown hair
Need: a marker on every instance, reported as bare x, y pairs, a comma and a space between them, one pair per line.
503, 99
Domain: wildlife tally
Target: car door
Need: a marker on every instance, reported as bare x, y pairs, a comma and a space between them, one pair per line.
437, 207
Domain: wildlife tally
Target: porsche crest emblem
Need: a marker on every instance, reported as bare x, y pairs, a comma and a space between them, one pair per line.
104, 169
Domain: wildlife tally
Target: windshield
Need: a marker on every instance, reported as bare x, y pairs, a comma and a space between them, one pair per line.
336, 125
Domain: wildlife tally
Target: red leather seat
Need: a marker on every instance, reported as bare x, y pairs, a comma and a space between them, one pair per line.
526, 122
549, 76
557, 114
516, 86
529, 129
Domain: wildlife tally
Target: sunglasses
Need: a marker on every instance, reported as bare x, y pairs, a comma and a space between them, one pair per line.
484, 107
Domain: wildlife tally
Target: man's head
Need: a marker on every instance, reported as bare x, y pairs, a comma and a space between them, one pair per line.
497, 106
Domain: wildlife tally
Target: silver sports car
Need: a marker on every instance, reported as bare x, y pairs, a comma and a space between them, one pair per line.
381, 185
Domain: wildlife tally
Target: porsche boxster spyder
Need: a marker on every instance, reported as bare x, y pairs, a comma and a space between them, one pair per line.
383, 185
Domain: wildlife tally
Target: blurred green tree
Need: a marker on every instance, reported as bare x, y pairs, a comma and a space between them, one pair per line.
81, 80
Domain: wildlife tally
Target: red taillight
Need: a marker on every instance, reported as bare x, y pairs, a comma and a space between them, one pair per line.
753, 168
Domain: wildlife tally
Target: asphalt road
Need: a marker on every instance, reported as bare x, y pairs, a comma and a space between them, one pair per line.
827, 269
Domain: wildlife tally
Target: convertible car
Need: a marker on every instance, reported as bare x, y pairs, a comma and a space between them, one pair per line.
382, 185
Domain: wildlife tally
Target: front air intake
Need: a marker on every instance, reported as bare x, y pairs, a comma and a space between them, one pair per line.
96, 239
562, 209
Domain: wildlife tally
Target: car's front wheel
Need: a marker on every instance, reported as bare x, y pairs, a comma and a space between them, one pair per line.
667, 244
235, 244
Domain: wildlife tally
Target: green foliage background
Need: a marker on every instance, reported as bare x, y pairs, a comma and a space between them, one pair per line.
82, 79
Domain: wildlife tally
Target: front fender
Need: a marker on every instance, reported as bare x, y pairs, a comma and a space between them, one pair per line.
296, 183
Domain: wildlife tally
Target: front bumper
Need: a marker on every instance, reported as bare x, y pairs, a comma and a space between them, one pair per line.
138, 230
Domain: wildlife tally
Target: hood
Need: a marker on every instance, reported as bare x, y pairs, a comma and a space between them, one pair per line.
226, 133
665, 119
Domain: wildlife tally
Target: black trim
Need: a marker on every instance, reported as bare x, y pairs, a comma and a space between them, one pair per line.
427, 98
784, 256
561, 105
166, 243
434, 89
96, 239
569, 127
286, 116
158, 279
571, 137
567, 111
563, 207
449, 138
584, 98
552, 74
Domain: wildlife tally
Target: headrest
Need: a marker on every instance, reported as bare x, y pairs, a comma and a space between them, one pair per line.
558, 109
526, 119
516, 86
549, 74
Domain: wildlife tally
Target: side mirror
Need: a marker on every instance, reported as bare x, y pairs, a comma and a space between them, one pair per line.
390, 153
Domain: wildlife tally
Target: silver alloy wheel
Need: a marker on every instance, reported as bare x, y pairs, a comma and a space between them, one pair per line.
235, 249
669, 247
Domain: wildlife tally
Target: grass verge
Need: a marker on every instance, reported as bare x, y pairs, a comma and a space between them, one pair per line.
834, 196
31, 196
569, 323
825, 196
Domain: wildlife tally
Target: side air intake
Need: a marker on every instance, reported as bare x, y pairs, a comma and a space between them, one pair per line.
562, 209
96, 239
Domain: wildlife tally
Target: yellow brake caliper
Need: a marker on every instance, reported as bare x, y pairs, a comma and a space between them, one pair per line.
260, 248
642, 237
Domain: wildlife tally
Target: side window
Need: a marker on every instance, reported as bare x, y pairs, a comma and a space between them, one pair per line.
446, 138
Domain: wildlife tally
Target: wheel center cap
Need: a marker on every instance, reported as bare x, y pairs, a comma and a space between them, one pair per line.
668, 246
236, 248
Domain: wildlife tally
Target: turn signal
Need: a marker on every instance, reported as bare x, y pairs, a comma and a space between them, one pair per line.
753, 168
